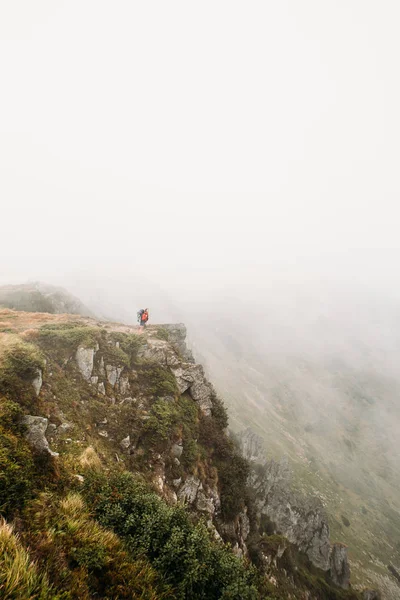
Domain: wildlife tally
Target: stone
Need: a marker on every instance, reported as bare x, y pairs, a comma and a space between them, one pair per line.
177, 482
125, 443
204, 503
113, 374
103, 433
35, 434
252, 446
102, 370
189, 489
37, 382
102, 389
190, 377
94, 380
124, 385
80, 478
303, 521
339, 566
371, 595
64, 427
84, 358
176, 450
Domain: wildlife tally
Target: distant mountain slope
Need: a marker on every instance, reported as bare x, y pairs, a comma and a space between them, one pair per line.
41, 297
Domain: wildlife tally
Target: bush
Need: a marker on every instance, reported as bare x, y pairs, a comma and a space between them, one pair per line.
157, 380
65, 338
84, 559
16, 462
19, 362
180, 551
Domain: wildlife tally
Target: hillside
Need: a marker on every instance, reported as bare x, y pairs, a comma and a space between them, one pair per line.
119, 479
41, 297
323, 392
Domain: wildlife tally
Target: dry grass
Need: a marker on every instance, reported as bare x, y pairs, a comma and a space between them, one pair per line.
19, 576
89, 459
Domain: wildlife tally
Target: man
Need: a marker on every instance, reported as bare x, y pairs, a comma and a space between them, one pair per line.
143, 317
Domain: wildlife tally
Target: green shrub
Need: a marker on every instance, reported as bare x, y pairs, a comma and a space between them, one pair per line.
19, 362
16, 462
233, 468
65, 338
157, 380
129, 343
182, 552
84, 559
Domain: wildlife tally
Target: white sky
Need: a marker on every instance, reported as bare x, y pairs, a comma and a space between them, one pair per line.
200, 136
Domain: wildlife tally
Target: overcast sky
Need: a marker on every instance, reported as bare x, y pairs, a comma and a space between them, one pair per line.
210, 136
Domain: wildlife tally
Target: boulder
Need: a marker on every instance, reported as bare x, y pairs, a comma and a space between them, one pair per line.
189, 489
37, 382
176, 450
102, 388
125, 443
113, 374
191, 378
84, 358
35, 434
339, 566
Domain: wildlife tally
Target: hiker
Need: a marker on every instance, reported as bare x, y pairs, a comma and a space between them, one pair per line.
143, 317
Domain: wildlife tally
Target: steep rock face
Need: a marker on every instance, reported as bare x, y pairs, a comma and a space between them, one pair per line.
303, 521
252, 447
174, 354
339, 566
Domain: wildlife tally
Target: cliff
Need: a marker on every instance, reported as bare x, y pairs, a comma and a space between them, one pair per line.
114, 444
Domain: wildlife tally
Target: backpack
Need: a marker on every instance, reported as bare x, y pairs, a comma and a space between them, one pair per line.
145, 316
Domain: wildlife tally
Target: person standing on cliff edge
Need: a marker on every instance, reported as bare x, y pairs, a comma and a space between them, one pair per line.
143, 317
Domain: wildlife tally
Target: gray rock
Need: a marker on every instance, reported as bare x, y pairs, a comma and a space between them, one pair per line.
176, 450
113, 374
177, 482
252, 446
371, 595
84, 358
204, 503
37, 382
102, 370
177, 461
103, 433
191, 377
303, 521
339, 566
126, 442
124, 385
189, 489
35, 434
102, 389
94, 380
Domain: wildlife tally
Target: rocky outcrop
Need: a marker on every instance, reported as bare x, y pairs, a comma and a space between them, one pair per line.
35, 434
204, 499
189, 376
302, 520
177, 337
85, 358
339, 566
252, 446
